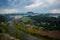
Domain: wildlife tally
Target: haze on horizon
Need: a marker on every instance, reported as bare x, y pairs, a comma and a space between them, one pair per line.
38, 6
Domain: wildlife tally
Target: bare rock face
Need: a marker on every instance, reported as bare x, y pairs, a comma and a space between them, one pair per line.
52, 34
25, 36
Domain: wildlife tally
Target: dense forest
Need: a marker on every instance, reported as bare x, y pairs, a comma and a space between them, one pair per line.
48, 23
38, 27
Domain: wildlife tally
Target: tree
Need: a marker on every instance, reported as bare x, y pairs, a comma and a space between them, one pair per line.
3, 18
51, 23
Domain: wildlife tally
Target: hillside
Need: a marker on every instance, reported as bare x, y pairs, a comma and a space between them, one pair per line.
31, 28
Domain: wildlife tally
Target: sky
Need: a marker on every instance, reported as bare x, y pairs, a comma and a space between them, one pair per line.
37, 6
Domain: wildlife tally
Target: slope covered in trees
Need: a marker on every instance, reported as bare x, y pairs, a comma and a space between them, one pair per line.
49, 23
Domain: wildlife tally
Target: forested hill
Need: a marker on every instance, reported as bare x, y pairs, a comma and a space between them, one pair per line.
31, 27
49, 23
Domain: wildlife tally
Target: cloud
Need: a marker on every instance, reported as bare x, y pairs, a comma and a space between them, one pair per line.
12, 2
29, 5
36, 3
50, 1
42, 3
55, 11
19, 3
6, 11
33, 5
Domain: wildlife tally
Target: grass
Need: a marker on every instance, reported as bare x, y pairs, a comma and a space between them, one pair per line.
25, 19
32, 32
6, 31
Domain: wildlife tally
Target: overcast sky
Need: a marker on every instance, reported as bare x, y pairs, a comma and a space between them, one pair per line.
38, 6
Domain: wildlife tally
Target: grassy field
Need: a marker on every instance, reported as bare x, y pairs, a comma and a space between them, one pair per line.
32, 31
